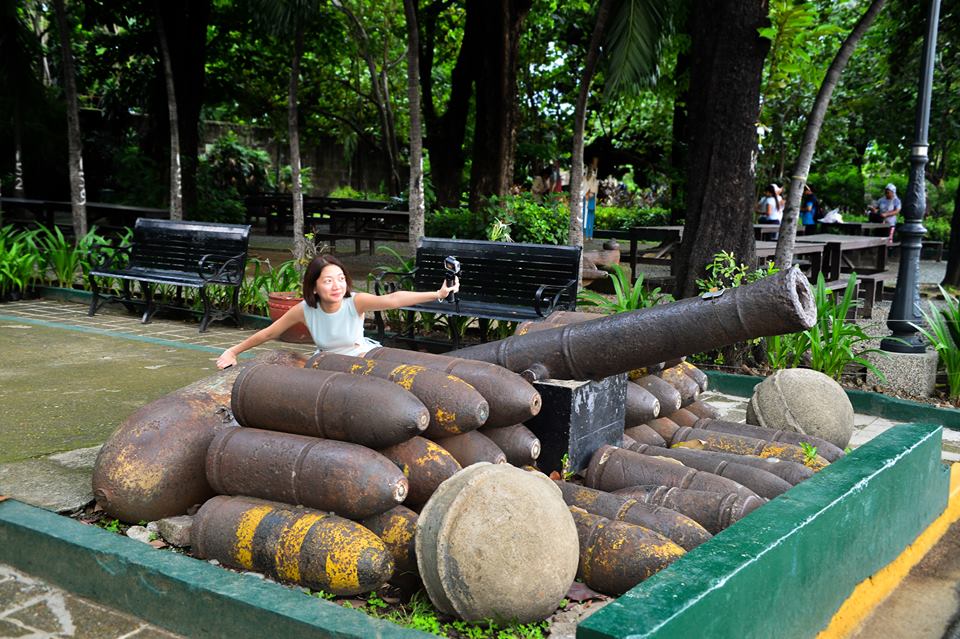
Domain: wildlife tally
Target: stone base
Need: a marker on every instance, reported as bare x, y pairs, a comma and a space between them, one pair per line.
911, 373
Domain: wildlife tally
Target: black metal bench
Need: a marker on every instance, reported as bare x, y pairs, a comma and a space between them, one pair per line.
498, 281
181, 254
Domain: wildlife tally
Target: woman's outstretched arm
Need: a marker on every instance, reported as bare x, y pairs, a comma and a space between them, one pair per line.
367, 302
275, 330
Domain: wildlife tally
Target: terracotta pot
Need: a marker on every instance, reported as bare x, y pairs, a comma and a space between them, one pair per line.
280, 303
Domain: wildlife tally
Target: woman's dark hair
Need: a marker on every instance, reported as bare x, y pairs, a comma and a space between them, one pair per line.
771, 189
312, 274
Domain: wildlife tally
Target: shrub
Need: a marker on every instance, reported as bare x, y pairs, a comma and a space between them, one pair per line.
614, 217
460, 223
938, 228
841, 187
231, 164
217, 202
532, 221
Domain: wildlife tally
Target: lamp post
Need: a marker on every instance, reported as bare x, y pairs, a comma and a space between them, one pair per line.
905, 311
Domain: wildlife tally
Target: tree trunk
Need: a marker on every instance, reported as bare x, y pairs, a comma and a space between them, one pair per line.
416, 139
579, 123
18, 190
299, 243
788, 225
496, 103
726, 60
78, 193
176, 182
952, 275
681, 135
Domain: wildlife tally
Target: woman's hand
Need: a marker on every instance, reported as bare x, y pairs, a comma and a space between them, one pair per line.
446, 290
226, 359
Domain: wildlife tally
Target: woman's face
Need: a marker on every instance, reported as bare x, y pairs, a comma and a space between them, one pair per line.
331, 286
889, 194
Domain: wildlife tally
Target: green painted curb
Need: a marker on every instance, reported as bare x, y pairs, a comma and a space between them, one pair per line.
784, 570
892, 408
179, 593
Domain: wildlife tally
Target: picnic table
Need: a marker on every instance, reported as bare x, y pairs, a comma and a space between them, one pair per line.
841, 248
812, 251
855, 228
114, 216
361, 224
667, 236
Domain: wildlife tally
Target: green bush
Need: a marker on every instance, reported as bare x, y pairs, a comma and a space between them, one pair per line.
217, 202
531, 221
841, 187
460, 223
231, 164
619, 218
938, 228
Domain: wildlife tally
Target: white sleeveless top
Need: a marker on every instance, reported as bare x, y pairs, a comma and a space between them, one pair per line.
340, 332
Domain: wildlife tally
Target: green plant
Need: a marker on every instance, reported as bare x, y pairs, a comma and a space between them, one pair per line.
627, 297
617, 217
404, 265
809, 453
454, 222
725, 272
229, 163
499, 231
375, 601
942, 331
110, 525
565, 470
62, 257
529, 220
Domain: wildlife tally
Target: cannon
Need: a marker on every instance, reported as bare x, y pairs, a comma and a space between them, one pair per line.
455, 406
781, 303
511, 399
352, 481
825, 449
713, 511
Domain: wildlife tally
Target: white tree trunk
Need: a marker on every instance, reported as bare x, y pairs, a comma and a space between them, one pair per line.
78, 192
416, 204
176, 177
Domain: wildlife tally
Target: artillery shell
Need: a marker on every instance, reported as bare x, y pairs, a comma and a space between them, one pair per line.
470, 448
791, 472
350, 480
695, 374
455, 406
643, 434
553, 320
825, 449
665, 427
641, 406
363, 410
759, 481
152, 466
713, 511
615, 556
511, 398
667, 395
614, 468
397, 529
517, 442
425, 465
744, 445
683, 417
628, 441
689, 390
679, 528
701, 408
293, 545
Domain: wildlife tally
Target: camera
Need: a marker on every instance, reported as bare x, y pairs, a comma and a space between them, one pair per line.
451, 269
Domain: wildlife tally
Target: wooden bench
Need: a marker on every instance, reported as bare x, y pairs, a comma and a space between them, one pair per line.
839, 287
498, 281
936, 247
181, 254
871, 289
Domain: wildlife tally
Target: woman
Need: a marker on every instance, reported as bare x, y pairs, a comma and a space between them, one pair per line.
590, 187
333, 311
769, 206
809, 206
887, 208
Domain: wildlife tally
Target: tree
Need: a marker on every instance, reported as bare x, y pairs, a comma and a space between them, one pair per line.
726, 61
176, 179
415, 197
78, 193
788, 224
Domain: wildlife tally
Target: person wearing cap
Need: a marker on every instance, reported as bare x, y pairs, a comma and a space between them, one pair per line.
887, 207
809, 206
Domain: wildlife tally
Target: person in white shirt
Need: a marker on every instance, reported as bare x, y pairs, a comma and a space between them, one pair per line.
769, 206
887, 208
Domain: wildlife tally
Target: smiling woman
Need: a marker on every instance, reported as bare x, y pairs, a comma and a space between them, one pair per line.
333, 311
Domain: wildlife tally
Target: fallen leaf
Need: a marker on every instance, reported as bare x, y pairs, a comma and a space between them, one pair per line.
580, 592
158, 543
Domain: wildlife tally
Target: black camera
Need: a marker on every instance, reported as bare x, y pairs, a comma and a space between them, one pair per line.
451, 269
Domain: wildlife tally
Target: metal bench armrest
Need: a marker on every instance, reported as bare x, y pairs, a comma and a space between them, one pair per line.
228, 271
103, 256
544, 306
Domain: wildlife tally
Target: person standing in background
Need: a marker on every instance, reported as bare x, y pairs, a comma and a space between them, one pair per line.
557, 179
887, 208
591, 185
808, 209
542, 184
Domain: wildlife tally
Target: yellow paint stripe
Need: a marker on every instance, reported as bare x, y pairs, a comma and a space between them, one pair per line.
871, 592
246, 527
287, 558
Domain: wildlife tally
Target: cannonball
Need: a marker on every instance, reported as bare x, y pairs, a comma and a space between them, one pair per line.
496, 542
803, 401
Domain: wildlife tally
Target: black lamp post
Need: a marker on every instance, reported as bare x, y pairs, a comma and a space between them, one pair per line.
905, 310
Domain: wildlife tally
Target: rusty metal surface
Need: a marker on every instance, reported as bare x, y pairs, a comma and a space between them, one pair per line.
679, 528
682, 417
825, 449
292, 545
425, 464
553, 320
791, 472
643, 434
517, 442
781, 303
641, 406
152, 466
470, 448
744, 445
350, 480
713, 511
665, 427
363, 410
511, 398
688, 388
695, 374
760, 481
612, 468
668, 396
397, 529
615, 556
455, 406
702, 409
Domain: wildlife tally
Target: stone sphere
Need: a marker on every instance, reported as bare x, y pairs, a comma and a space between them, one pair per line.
803, 401
496, 542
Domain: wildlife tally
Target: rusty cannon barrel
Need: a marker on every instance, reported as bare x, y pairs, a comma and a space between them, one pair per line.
455, 406
781, 303
397, 529
511, 398
363, 410
470, 448
425, 464
517, 442
293, 545
713, 511
613, 468
825, 449
615, 556
688, 388
760, 481
152, 466
703, 409
666, 395
351, 480
791, 472
553, 320
641, 406
682, 530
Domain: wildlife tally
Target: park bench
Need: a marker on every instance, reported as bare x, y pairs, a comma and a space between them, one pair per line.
508, 282
180, 254
871, 289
